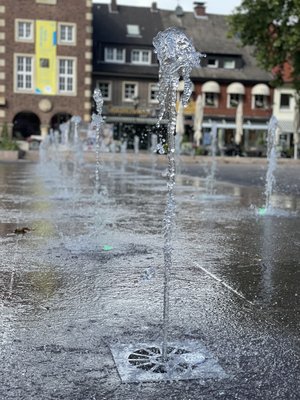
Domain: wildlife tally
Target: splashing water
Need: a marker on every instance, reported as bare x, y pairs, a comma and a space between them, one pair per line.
272, 164
97, 122
76, 120
77, 158
136, 144
210, 181
177, 57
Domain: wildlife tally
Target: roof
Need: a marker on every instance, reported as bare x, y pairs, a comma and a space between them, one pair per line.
209, 35
110, 27
128, 70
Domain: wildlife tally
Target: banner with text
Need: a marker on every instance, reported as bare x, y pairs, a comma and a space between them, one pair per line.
45, 53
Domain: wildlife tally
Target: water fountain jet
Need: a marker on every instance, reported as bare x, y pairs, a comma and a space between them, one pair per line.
272, 164
168, 361
97, 122
177, 57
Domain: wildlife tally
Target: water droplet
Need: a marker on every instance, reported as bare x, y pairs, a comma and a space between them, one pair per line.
148, 273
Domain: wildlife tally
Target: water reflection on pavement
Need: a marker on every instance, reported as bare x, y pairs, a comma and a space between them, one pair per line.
75, 282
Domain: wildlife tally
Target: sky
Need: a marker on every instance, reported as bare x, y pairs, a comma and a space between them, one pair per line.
212, 6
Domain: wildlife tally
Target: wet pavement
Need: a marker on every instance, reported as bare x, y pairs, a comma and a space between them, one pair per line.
87, 275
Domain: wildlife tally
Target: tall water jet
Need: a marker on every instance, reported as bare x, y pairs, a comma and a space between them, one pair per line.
99, 189
168, 360
136, 144
272, 164
76, 121
210, 181
77, 157
177, 57
153, 150
97, 122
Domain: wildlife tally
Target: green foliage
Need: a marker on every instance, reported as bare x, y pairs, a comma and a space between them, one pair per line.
5, 142
273, 28
288, 153
185, 138
199, 151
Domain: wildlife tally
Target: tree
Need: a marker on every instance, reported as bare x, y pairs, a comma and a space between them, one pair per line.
273, 28
6, 143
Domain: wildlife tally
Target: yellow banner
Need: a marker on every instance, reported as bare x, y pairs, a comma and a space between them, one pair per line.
189, 109
45, 53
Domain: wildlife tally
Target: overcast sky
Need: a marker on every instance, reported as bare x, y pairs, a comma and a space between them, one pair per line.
212, 6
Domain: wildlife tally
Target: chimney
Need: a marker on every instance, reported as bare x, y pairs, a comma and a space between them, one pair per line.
113, 7
154, 7
179, 11
199, 9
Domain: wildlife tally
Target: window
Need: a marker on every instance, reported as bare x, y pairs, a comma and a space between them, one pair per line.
141, 56
130, 91
234, 100
153, 92
212, 63
105, 88
285, 101
67, 34
115, 55
133, 30
24, 73
229, 64
211, 99
260, 101
24, 31
66, 75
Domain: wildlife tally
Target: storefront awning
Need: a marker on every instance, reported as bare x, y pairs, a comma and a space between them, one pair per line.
180, 86
261, 89
231, 125
133, 120
211, 87
236, 88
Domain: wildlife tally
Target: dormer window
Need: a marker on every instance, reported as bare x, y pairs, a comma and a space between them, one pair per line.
114, 55
133, 30
212, 63
229, 64
141, 56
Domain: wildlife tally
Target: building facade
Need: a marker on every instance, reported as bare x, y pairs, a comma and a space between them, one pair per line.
229, 81
125, 67
45, 64
286, 110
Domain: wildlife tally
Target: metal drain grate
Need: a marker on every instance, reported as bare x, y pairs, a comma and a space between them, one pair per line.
150, 359
143, 362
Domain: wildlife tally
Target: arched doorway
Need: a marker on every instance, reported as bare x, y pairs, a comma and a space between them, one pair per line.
26, 124
58, 119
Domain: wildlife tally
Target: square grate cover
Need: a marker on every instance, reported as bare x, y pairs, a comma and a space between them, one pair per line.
142, 362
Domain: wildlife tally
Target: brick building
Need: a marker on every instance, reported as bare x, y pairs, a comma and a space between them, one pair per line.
45, 63
126, 70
